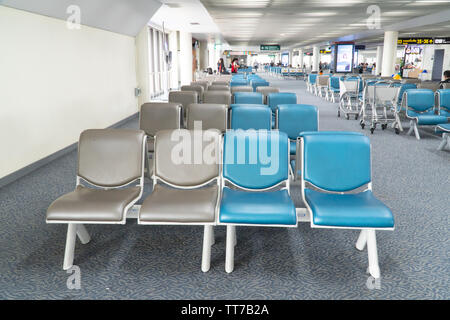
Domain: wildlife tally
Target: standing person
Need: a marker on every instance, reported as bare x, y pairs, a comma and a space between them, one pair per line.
220, 66
234, 65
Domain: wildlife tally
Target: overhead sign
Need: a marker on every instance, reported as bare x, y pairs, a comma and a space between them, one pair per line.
360, 47
441, 40
270, 47
405, 41
325, 51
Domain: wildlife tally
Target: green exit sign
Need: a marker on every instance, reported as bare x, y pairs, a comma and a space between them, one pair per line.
270, 47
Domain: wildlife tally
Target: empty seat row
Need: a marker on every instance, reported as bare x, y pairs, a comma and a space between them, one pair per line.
195, 183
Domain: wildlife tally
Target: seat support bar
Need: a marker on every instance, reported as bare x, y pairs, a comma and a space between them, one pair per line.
231, 242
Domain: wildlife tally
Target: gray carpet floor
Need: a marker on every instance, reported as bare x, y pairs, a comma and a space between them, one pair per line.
163, 262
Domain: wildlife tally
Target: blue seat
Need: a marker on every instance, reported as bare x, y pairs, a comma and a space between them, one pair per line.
254, 162
238, 83
259, 83
421, 110
344, 210
248, 98
247, 116
273, 207
339, 165
277, 98
444, 102
296, 118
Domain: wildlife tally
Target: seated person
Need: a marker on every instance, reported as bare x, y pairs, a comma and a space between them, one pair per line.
446, 79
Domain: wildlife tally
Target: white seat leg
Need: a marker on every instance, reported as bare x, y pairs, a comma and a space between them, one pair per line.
374, 269
445, 141
229, 257
362, 240
416, 131
70, 246
206, 255
82, 234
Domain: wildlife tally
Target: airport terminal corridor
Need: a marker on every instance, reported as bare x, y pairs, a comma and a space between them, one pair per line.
163, 262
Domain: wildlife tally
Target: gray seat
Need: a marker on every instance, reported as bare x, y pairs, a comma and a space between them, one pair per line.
202, 83
185, 98
191, 197
216, 87
159, 116
87, 205
196, 88
265, 92
219, 97
212, 116
221, 83
241, 89
113, 161
186, 206
433, 85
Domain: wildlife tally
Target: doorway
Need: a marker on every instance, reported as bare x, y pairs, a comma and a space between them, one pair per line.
437, 65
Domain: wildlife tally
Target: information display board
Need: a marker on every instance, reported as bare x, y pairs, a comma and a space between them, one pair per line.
285, 59
344, 57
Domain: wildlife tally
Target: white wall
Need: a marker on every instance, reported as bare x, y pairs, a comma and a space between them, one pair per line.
56, 82
143, 64
428, 59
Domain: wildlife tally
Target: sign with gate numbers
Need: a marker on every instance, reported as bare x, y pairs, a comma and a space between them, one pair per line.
270, 47
441, 40
404, 41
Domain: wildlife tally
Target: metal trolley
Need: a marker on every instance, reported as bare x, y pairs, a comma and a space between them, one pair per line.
378, 104
349, 104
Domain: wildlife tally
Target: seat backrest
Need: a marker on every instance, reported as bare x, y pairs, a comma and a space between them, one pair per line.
216, 87
221, 83
312, 78
219, 97
255, 159
275, 99
403, 88
336, 161
183, 97
176, 160
196, 88
248, 98
257, 117
432, 85
322, 80
241, 89
296, 118
111, 157
444, 102
334, 82
159, 116
238, 83
212, 116
266, 90
420, 100
202, 83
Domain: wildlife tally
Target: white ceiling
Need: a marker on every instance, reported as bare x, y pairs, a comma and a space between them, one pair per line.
299, 23
121, 16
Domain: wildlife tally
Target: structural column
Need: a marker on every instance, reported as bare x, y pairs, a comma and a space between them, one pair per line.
300, 58
185, 62
389, 53
379, 60
316, 59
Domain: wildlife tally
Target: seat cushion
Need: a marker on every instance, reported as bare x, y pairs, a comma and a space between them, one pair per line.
431, 119
444, 127
360, 210
270, 208
167, 204
92, 205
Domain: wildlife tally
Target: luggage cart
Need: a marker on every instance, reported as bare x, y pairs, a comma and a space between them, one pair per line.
349, 97
379, 105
